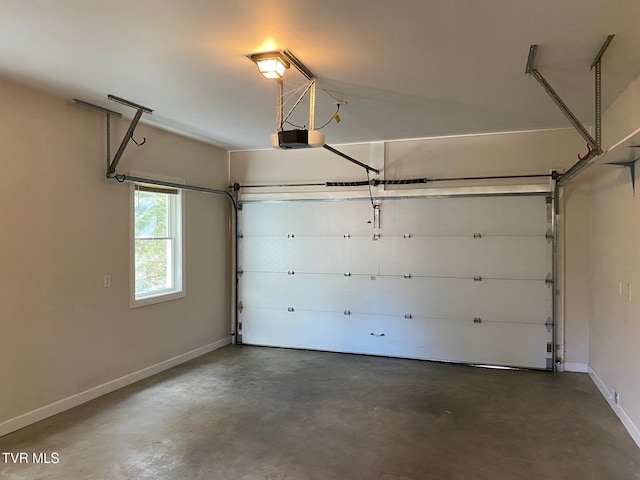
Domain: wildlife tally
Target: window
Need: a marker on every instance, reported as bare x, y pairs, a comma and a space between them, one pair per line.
157, 273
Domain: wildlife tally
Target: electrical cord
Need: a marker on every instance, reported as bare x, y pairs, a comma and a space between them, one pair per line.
329, 121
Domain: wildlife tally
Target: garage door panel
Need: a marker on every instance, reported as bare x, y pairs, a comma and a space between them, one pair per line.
309, 292
495, 257
443, 257
429, 297
309, 254
311, 330
334, 255
512, 257
360, 294
264, 254
423, 338
457, 341
432, 256
465, 216
305, 218
519, 301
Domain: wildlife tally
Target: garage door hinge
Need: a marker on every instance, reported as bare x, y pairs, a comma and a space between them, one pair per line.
549, 235
290, 309
347, 312
240, 307
408, 316
240, 273
291, 272
347, 235
240, 235
376, 220
477, 235
407, 275
477, 320
347, 274
549, 324
477, 278
549, 280
291, 235
407, 235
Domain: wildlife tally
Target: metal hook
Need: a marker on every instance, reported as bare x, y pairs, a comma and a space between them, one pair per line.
144, 139
588, 153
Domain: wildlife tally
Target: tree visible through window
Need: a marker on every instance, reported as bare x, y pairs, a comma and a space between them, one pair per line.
157, 241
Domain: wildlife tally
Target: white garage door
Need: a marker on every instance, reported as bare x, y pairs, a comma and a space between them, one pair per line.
451, 279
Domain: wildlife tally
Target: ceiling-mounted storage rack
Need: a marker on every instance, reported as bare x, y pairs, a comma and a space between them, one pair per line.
594, 145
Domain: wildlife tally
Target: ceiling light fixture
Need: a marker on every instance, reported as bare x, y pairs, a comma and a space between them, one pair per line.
271, 65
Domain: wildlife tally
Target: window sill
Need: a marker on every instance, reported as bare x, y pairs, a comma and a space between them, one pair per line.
159, 298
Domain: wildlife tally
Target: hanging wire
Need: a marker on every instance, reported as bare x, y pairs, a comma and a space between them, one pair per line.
301, 127
287, 96
329, 121
331, 95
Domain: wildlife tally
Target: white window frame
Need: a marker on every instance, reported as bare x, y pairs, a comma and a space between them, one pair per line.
179, 257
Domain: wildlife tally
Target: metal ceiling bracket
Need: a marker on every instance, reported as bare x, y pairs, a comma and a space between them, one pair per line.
535, 73
312, 105
597, 65
111, 169
106, 111
301, 67
594, 144
112, 164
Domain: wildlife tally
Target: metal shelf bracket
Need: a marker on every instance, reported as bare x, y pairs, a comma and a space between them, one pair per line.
631, 165
112, 164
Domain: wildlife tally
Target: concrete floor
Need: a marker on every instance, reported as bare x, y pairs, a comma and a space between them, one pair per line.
246, 413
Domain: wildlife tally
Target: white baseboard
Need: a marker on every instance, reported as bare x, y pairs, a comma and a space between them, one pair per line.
631, 427
576, 367
41, 413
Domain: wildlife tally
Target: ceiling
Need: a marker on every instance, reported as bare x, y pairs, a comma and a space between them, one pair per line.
407, 69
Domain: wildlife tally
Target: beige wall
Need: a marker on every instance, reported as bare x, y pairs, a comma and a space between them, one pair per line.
64, 227
517, 153
575, 274
514, 153
615, 264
